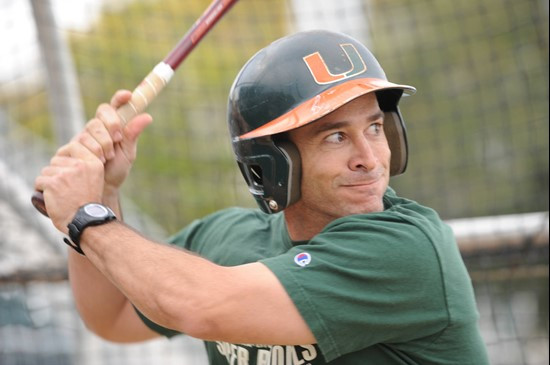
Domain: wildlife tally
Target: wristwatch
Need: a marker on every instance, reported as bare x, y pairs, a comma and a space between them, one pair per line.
91, 214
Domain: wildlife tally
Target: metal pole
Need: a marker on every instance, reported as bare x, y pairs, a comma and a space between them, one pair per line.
62, 83
347, 16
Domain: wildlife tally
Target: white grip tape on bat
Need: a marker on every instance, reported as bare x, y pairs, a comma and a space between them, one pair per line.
146, 91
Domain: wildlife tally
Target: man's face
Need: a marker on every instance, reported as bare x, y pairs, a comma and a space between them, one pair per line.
345, 161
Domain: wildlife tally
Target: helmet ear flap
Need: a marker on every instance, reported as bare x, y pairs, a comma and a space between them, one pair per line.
292, 154
395, 132
272, 171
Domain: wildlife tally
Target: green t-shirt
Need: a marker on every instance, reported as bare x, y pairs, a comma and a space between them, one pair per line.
375, 289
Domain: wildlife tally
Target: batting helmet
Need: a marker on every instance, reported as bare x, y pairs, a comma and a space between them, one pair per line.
295, 81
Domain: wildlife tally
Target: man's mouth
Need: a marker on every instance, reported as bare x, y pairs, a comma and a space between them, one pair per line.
371, 180
361, 184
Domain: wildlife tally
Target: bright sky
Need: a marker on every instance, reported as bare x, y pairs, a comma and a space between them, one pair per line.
19, 52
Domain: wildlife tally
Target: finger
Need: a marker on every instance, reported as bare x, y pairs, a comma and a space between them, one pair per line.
63, 154
120, 98
61, 161
46, 176
95, 146
111, 121
133, 129
63, 150
78, 151
50, 170
41, 182
97, 129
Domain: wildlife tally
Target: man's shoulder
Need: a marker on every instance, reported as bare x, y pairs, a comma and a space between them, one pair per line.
402, 220
237, 215
394, 203
225, 224
227, 217
233, 236
231, 212
412, 212
397, 210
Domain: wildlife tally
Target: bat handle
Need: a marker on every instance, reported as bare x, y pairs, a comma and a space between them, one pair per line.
142, 96
146, 92
37, 200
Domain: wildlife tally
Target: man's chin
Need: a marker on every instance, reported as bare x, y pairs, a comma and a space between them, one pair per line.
361, 200
373, 205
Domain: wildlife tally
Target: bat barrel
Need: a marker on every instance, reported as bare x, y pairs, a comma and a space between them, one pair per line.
201, 27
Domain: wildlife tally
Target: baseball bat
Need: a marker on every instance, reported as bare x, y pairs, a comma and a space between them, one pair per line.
161, 74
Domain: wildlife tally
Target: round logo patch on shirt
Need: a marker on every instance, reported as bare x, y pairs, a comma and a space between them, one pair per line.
302, 259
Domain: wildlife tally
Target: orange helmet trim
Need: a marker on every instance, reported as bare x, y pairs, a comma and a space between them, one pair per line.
322, 104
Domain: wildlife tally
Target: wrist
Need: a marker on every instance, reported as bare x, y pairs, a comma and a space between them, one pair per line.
111, 192
111, 198
91, 214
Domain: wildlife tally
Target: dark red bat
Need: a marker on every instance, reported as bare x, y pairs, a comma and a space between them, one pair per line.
157, 79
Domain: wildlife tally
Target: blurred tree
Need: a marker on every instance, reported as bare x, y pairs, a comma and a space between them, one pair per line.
478, 126
185, 167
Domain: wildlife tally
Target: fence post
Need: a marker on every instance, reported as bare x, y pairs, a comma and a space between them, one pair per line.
347, 16
62, 83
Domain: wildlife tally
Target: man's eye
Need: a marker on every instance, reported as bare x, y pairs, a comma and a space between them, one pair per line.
335, 137
375, 128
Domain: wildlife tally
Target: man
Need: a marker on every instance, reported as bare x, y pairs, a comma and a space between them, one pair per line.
334, 269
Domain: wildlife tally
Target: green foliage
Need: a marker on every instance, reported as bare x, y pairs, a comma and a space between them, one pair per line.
185, 166
28, 110
478, 126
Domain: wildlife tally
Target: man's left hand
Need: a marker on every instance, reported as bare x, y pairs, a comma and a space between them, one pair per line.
74, 177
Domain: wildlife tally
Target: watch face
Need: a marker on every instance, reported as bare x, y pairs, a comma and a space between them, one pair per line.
96, 210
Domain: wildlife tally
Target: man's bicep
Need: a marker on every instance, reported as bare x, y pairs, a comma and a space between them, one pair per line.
261, 311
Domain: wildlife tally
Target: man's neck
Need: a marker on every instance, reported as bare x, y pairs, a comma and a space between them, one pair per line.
303, 224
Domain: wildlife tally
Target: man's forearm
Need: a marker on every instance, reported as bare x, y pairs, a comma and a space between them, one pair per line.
182, 291
149, 274
101, 304
98, 301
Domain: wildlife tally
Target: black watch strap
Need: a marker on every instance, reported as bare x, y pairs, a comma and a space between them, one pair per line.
74, 246
91, 214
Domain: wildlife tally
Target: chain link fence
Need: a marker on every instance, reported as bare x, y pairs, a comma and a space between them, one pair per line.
477, 128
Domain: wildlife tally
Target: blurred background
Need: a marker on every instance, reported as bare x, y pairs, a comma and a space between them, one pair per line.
477, 128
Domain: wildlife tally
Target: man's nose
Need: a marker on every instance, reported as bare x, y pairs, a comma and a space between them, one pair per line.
363, 156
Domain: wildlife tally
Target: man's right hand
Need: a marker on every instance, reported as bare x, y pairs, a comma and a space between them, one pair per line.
111, 141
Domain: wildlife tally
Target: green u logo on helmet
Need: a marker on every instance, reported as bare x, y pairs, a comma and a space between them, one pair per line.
321, 73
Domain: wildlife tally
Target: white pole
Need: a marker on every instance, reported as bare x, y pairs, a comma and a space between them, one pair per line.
62, 83
347, 16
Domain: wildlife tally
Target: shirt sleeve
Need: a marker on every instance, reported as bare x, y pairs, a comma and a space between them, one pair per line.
167, 332
365, 283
